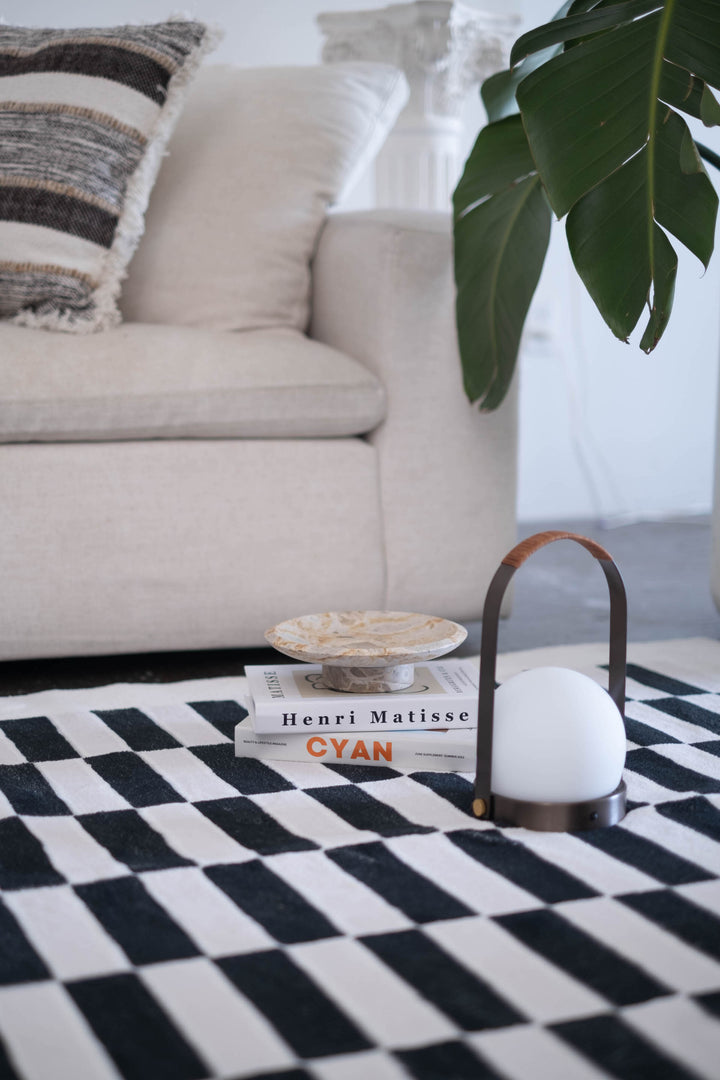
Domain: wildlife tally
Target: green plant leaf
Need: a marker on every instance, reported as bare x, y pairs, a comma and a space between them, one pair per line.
686, 92
621, 253
512, 229
608, 238
664, 272
587, 111
622, 162
500, 157
501, 211
614, 81
579, 26
694, 39
709, 107
578, 6
602, 120
684, 200
498, 92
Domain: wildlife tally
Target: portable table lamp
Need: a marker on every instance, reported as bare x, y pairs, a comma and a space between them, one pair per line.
551, 741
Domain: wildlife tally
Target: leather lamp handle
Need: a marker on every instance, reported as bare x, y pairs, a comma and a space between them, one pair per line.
526, 548
488, 645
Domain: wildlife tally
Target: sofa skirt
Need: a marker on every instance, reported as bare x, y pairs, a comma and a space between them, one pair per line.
122, 547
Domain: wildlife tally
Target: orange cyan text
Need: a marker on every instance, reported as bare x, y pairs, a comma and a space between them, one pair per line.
344, 749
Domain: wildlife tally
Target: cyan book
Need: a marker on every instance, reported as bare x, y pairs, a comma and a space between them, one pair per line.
433, 750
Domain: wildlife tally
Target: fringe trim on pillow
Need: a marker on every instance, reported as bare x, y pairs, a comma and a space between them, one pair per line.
104, 313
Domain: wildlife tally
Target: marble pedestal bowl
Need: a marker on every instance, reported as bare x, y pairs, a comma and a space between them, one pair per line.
366, 652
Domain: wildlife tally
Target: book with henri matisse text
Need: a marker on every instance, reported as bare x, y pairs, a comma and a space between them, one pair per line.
292, 698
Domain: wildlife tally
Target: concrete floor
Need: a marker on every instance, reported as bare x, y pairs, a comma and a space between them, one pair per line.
560, 596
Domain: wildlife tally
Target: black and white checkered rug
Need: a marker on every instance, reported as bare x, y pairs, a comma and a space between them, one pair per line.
171, 912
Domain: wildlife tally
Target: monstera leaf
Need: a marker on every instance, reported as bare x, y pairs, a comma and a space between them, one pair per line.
599, 137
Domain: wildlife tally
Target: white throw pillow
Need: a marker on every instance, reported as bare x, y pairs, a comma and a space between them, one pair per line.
257, 157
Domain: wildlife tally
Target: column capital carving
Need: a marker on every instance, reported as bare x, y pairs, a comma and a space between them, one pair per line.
445, 48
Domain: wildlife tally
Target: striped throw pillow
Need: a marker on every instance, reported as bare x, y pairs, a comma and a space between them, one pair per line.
85, 116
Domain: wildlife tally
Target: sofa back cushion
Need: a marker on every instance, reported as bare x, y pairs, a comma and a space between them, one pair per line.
257, 157
141, 381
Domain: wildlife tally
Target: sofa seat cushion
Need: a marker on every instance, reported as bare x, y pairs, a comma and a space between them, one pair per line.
150, 381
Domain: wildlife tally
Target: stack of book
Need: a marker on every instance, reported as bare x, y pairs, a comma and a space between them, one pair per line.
430, 726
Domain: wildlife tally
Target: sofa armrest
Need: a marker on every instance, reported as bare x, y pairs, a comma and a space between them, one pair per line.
383, 292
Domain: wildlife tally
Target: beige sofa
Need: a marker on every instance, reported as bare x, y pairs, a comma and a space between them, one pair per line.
278, 426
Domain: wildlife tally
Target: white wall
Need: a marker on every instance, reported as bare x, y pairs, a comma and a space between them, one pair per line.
606, 432
256, 32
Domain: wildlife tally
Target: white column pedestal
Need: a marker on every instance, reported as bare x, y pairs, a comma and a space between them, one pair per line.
445, 49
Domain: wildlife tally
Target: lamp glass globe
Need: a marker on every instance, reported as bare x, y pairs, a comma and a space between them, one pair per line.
557, 737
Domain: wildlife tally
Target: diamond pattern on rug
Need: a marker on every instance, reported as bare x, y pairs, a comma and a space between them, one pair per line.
168, 910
